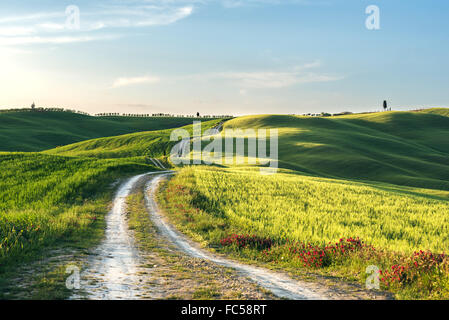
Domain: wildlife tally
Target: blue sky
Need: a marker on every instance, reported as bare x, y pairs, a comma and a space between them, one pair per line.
224, 56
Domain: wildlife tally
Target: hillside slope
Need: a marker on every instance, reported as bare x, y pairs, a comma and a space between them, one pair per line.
440, 111
37, 131
405, 148
153, 143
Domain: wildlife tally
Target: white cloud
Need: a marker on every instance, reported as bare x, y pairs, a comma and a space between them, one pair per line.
16, 31
264, 79
269, 79
32, 16
50, 27
139, 17
124, 82
13, 41
106, 14
167, 18
241, 3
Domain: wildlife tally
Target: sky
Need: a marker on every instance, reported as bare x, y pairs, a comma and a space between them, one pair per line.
224, 56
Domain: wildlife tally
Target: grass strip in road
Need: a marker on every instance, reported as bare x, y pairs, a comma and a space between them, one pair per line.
173, 275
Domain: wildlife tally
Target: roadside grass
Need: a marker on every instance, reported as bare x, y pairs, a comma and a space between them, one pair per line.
52, 284
50, 202
206, 293
183, 277
292, 211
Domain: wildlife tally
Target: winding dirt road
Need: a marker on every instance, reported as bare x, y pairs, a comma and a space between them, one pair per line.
281, 285
115, 271
113, 268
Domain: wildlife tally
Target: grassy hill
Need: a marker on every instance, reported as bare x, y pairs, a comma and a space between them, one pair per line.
61, 195
37, 131
440, 111
352, 191
404, 148
380, 176
153, 143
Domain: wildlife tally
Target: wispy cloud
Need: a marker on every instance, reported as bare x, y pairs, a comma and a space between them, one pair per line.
13, 41
31, 17
13, 31
107, 15
272, 79
241, 3
124, 82
261, 80
50, 27
135, 17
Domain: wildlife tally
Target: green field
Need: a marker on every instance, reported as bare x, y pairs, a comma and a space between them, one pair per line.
155, 144
296, 213
37, 131
382, 177
404, 148
440, 111
59, 196
300, 208
46, 200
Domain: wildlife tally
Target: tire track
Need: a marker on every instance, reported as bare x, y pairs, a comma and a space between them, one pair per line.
279, 284
113, 269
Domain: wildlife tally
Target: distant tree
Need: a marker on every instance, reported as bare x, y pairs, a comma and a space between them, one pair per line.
385, 105
198, 114
33, 106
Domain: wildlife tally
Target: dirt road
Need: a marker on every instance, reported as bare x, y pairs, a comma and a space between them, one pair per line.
118, 270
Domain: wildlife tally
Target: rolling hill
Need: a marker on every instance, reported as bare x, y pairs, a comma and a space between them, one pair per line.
378, 180
404, 148
63, 194
440, 111
381, 176
152, 143
37, 131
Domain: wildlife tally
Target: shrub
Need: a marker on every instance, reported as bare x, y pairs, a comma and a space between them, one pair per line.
247, 241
